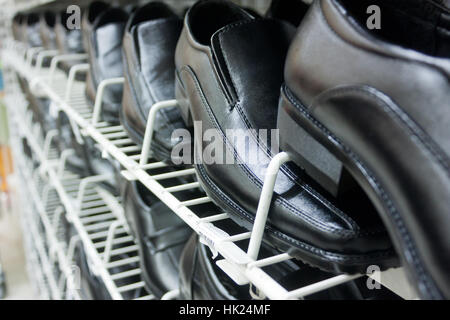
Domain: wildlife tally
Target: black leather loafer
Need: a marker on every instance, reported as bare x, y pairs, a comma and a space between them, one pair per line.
92, 12
229, 72
160, 234
68, 41
105, 58
149, 48
375, 104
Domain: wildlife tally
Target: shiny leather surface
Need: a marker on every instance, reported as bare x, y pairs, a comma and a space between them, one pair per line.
232, 82
386, 102
149, 48
105, 58
161, 236
93, 11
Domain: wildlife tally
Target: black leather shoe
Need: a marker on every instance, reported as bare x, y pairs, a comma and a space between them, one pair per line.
375, 104
149, 48
92, 12
47, 30
160, 234
105, 60
68, 41
230, 69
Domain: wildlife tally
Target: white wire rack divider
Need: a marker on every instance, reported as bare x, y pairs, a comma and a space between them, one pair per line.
243, 267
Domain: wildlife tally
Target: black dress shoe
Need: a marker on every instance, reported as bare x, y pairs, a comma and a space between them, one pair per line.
47, 30
68, 41
230, 69
160, 234
375, 104
95, 9
105, 58
149, 48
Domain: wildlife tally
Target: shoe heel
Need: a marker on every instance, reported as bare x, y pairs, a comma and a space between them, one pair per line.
319, 163
183, 102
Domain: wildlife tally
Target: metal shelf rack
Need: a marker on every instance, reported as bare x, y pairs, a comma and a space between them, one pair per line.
96, 215
67, 95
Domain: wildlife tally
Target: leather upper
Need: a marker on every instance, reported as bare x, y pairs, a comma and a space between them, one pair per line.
161, 234
149, 47
106, 55
232, 81
385, 95
93, 11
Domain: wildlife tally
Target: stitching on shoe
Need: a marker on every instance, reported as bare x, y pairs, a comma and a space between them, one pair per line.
423, 276
346, 234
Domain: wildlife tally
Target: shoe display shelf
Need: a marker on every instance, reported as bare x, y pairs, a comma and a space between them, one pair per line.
55, 194
67, 94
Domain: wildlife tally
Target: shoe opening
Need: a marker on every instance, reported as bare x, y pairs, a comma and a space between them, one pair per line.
95, 9
50, 19
413, 24
112, 15
206, 17
32, 19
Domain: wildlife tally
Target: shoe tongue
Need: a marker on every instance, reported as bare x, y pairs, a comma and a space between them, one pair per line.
250, 58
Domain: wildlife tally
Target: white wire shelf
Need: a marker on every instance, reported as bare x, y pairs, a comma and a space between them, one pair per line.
96, 215
67, 95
